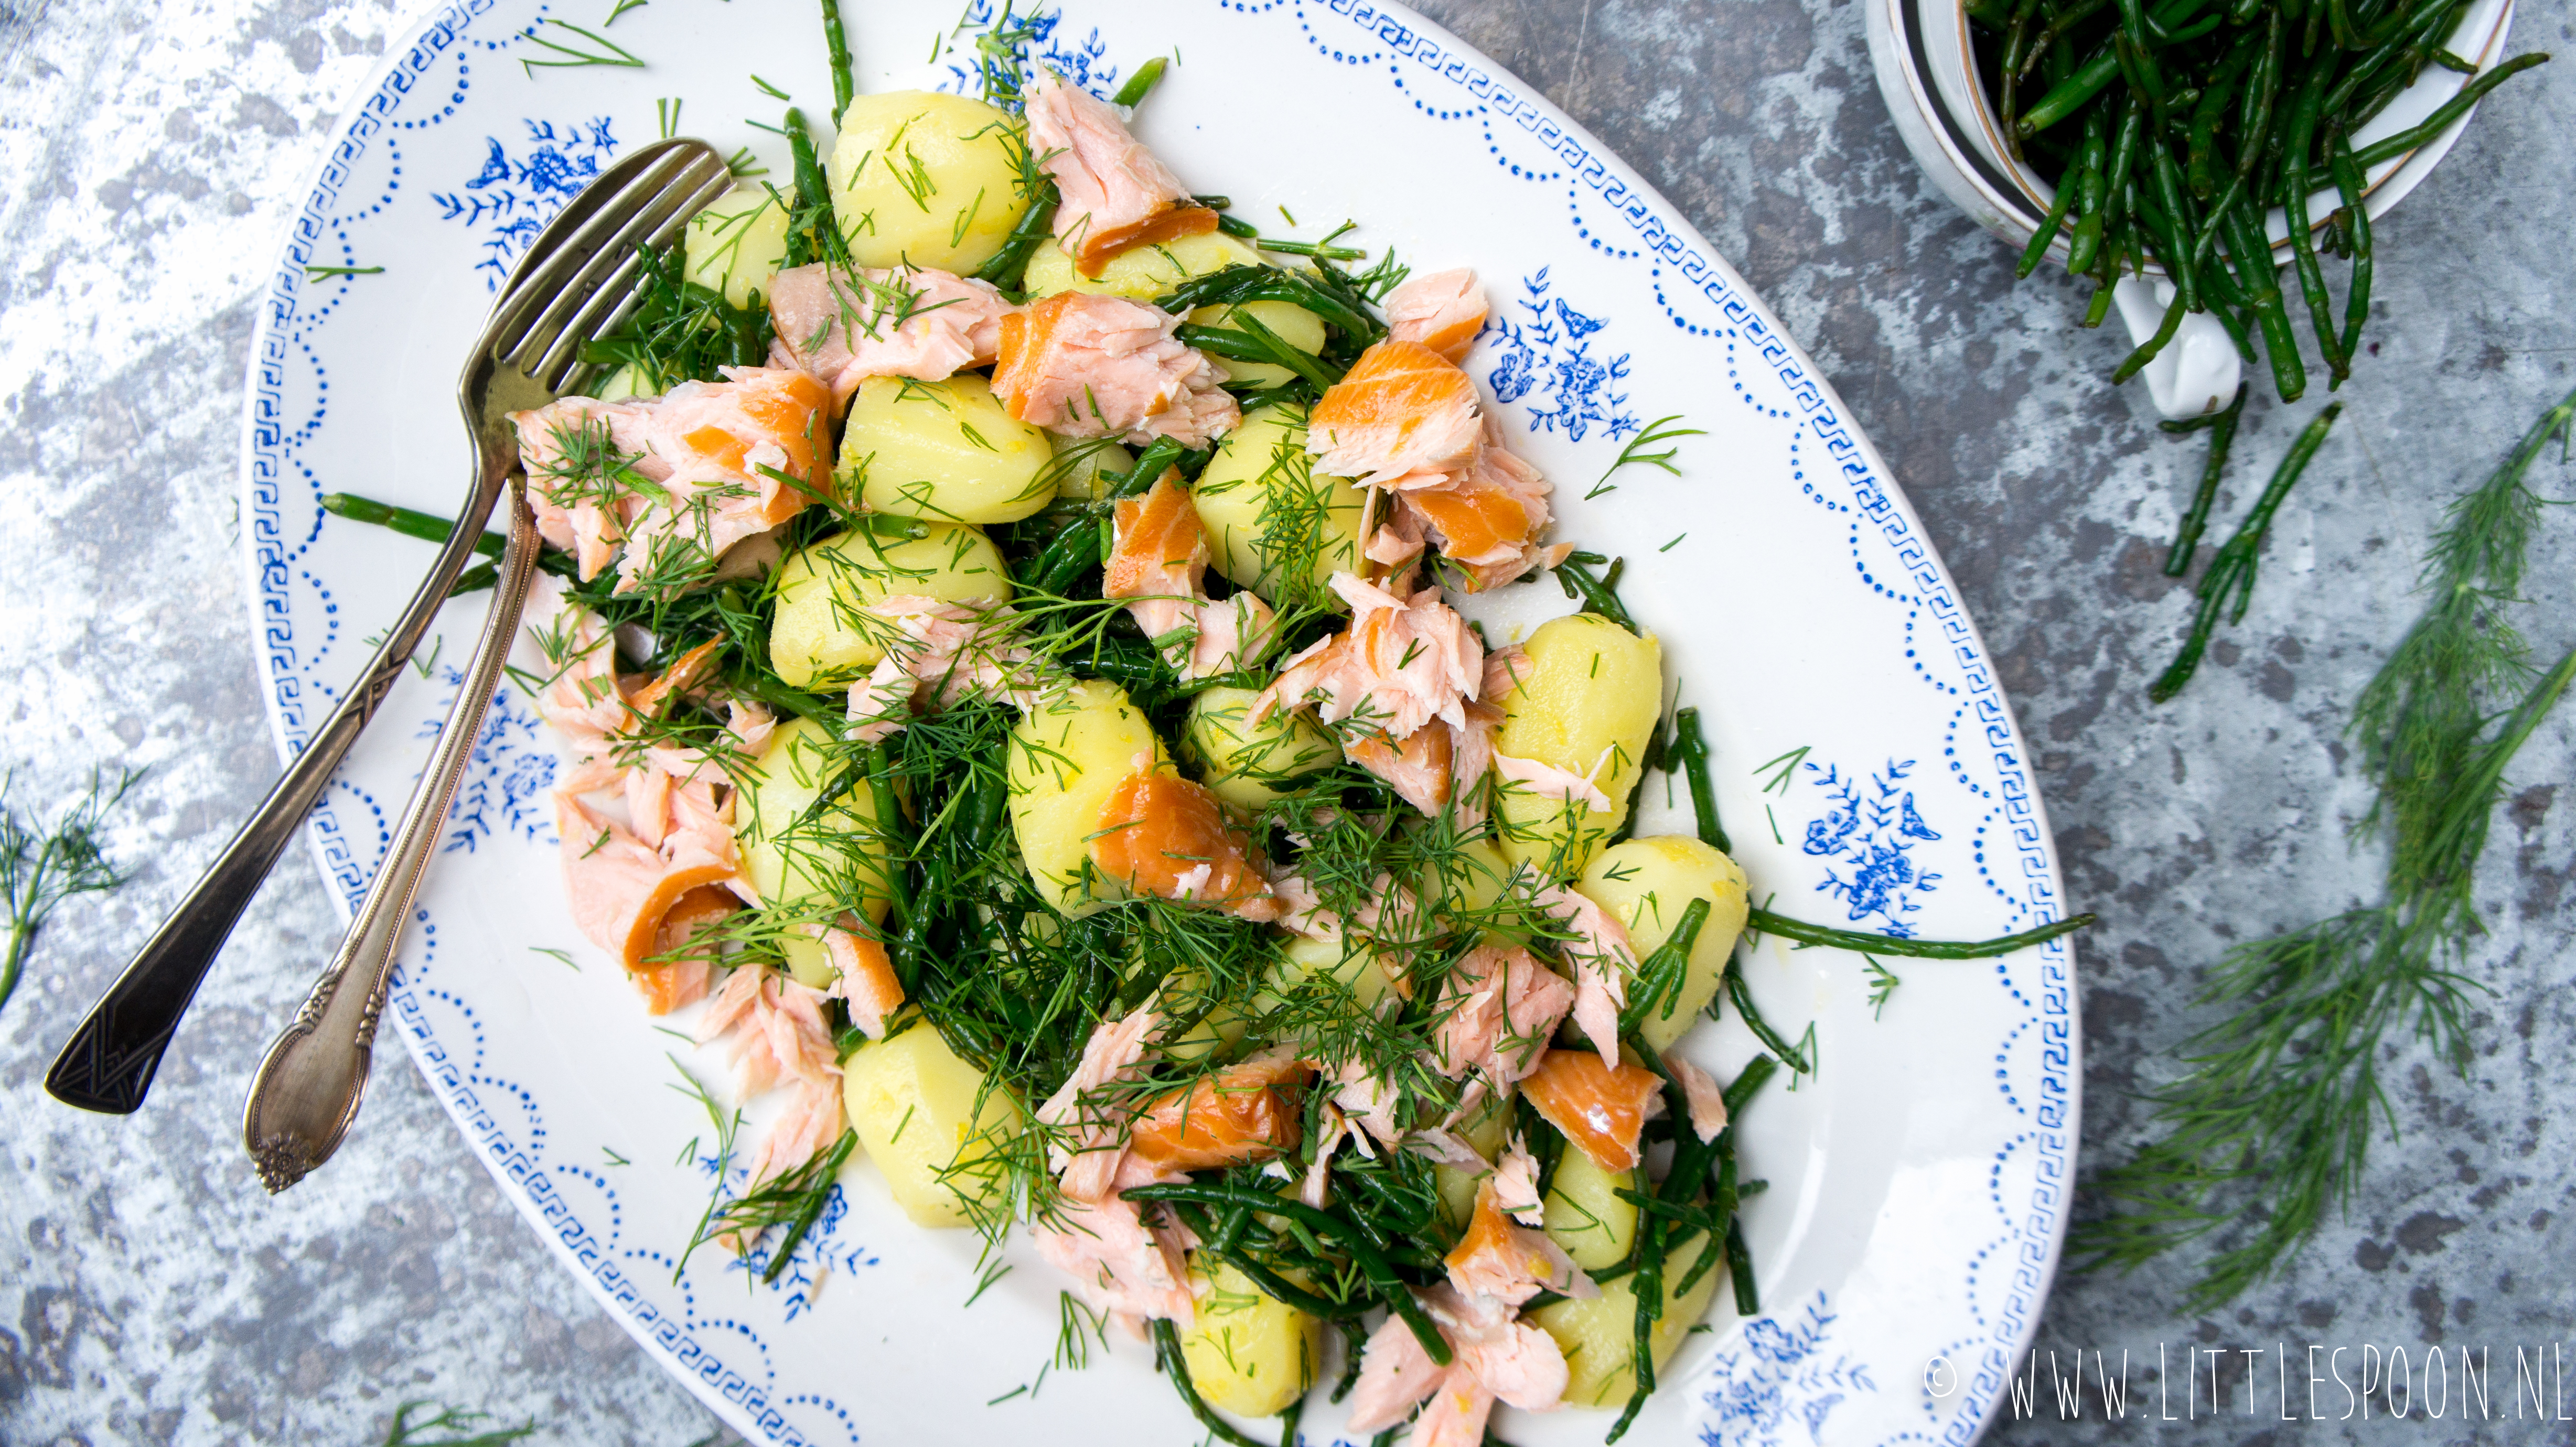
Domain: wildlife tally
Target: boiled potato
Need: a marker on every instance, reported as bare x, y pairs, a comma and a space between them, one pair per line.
1647, 885
931, 1123
928, 179
1217, 1031
1288, 321
1598, 1334
1587, 695
1274, 525
1368, 972
943, 450
1143, 273
1241, 762
831, 862
1467, 879
735, 245
822, 636
1249, 1353
1085, 469
1486, 1128
1067, 754
1584, 1215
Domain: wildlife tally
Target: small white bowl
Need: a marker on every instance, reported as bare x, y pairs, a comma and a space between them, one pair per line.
1928, 72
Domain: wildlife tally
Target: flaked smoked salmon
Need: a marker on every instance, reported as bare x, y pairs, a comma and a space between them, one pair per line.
1402, 663
1120, 1265
843, 327
936, 654
574, 451
775, 1032
1163, 835
1700, 1089
1442, 311
680, 480
1598, 949
1104, 366
1159, 559
1242, 1114
1116, 195
1599, 1107
866, 981
1504, 1261
1501, 1006
1404, 416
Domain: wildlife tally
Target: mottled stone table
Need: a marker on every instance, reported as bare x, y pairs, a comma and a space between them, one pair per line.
150, 154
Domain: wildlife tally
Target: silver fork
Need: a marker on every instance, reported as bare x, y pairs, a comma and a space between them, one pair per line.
573, 284
308, 1089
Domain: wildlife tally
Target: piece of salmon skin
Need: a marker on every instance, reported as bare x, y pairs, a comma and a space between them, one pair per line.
1243, 1114
1599, 1108
1163, 835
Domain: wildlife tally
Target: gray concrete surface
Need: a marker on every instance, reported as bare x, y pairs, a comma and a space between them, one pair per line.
149, 156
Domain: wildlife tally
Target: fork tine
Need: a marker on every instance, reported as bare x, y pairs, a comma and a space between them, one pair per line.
615, 198
579, 223
606, 234
679, 197
616, 298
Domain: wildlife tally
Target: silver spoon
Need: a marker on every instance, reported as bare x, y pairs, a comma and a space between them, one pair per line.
572, 285
308, 1089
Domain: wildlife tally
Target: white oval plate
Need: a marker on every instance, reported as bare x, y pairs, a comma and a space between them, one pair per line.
1867, 763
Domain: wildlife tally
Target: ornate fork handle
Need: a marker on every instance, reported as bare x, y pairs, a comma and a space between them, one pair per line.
308, 1088
109, 1062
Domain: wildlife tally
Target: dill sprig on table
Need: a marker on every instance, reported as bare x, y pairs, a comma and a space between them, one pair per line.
2273, 1121
38, 871
404, 1432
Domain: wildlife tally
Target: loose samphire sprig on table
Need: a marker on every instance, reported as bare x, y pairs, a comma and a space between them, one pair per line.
2170, 130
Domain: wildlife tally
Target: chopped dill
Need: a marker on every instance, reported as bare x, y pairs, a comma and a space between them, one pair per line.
606, 52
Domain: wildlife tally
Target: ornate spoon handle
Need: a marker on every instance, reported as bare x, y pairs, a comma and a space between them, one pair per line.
109, 1062
308, 1089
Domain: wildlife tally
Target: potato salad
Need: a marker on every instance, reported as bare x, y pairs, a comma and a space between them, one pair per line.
1000, 610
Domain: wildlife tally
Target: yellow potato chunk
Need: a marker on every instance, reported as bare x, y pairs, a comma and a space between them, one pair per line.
1647, 885
1598, 1334
1143, 273
822, 635
929, 1120
1242, 762
928, 179
1249, 1353
1585, 701
1585, 1216
943, 450
1085, 469
1366, 971
809, 870
735, 245
1463, 882
1288, 321
1067, 754
1274, 525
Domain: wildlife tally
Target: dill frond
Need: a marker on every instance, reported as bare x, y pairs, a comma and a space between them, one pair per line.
38, 871
2273, 1120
